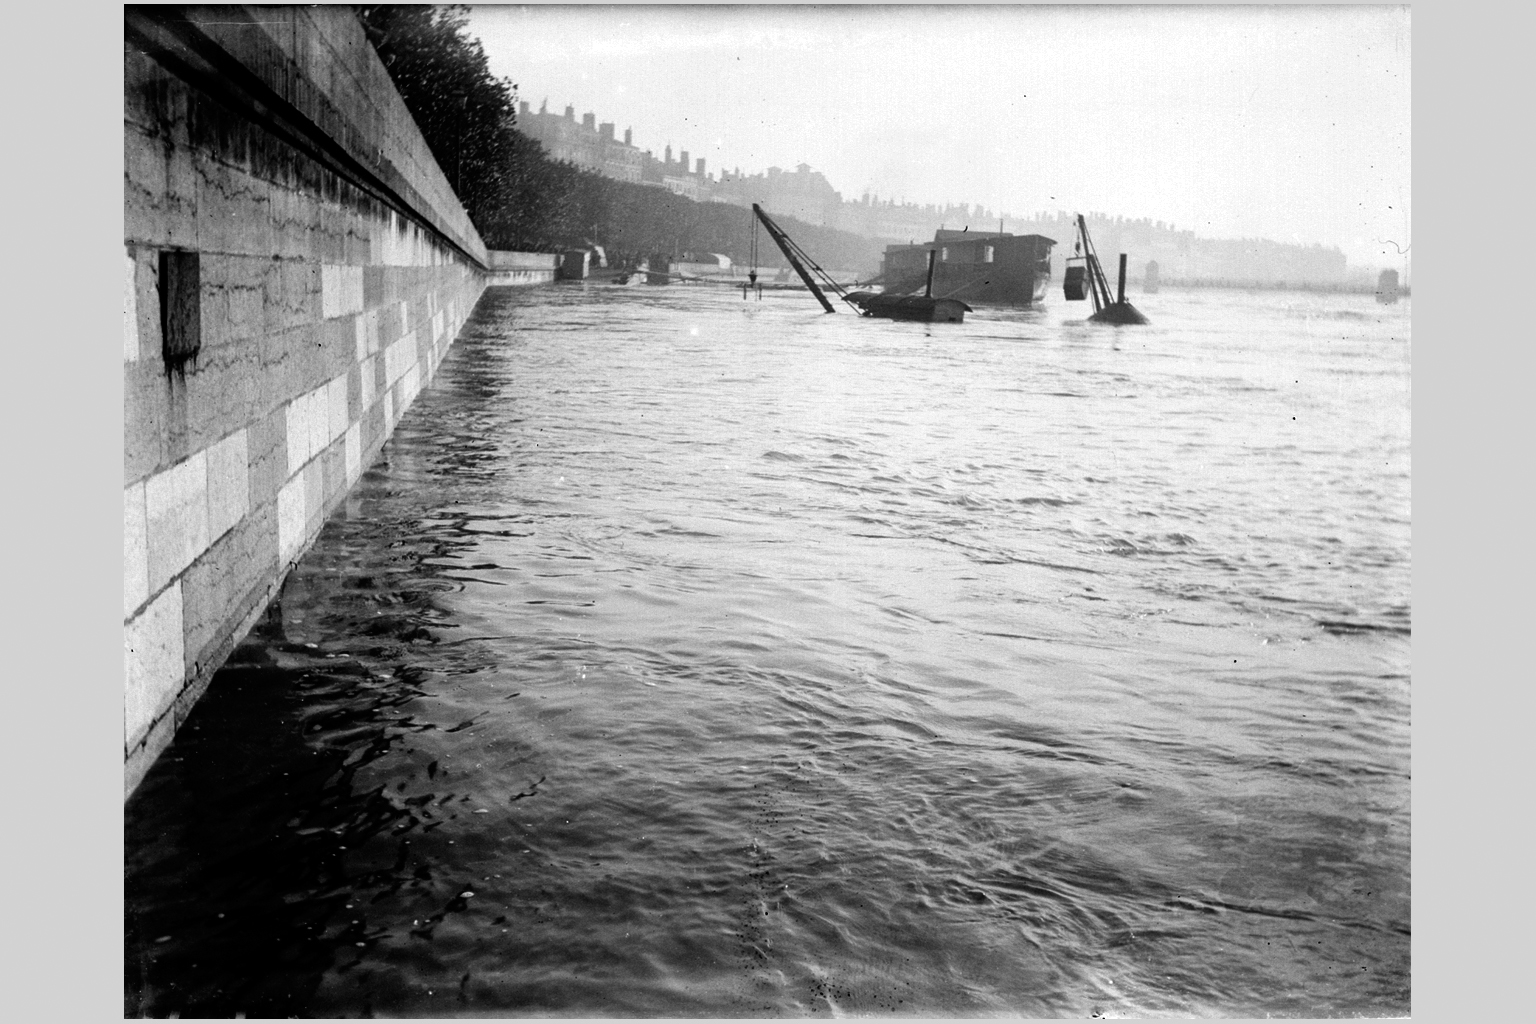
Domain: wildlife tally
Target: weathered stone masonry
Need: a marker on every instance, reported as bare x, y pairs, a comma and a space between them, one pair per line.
285, 222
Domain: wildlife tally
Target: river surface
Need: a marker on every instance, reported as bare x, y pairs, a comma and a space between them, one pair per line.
690, 656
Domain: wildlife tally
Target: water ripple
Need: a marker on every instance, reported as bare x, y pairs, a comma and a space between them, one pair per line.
812, 666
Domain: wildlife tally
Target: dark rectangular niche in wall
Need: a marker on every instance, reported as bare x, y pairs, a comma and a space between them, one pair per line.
181, 320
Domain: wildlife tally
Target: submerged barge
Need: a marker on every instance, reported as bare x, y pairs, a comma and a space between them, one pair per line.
925, 307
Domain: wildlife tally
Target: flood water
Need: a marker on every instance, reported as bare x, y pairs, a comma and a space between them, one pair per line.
687, 656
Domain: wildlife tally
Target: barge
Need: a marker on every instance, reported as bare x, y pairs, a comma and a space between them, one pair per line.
998, 268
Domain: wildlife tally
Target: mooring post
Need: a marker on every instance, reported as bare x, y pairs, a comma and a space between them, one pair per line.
1122, 277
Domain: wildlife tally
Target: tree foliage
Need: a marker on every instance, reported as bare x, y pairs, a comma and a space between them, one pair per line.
464, 112
518, 198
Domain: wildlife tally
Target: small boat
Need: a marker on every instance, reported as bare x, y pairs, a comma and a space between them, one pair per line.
592, 266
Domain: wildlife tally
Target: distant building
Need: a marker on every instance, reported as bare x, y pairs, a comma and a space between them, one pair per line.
808, 196
804, 194
585, 144
682, 185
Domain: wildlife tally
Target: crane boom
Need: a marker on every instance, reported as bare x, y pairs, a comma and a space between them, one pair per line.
786, 246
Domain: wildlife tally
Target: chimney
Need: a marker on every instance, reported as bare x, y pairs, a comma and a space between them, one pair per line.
606, 131
589, 122
523, 108
700, 170
570, 112
683, 159
627, 141
668, 162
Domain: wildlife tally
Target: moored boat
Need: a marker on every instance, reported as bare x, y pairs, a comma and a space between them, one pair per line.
996, 268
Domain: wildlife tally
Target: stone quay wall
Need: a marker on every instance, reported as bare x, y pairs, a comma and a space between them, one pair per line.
523, 268
295, 267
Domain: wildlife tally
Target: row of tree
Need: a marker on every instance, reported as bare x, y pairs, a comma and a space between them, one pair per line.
518, 198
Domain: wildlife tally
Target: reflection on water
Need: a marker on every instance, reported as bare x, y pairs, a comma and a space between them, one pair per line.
685, 656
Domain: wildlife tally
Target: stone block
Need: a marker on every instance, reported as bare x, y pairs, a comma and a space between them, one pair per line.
319, 414
398, 358
330, 291
368, 381
336, 403
208, 591
147, 303
228, 483
293, 292
296, 420
355, 407
167, 221
145, 432
181, 203
337, 350
130, 308
332, 230
391, 301
218, 323
221, 393
291, 520
372, 423
232, 211
410, 385
283, 358
233, 297
333, 484
357, 249
354, 452
352, 285
135, 550
301, 282
373, 285
176, 512
144, 187
314, 496
260, 532
288, 241
153, 662
267, 449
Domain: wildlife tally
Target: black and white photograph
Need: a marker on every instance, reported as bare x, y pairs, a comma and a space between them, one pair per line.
766, 511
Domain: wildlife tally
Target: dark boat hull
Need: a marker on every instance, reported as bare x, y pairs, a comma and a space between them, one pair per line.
1118, 313
911, 307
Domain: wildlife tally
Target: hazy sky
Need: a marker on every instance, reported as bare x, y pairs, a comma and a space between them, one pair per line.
1290, 123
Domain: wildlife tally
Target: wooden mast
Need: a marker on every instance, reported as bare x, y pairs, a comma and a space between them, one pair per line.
783, 243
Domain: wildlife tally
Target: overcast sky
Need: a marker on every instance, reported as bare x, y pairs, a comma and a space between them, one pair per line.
1290, 123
